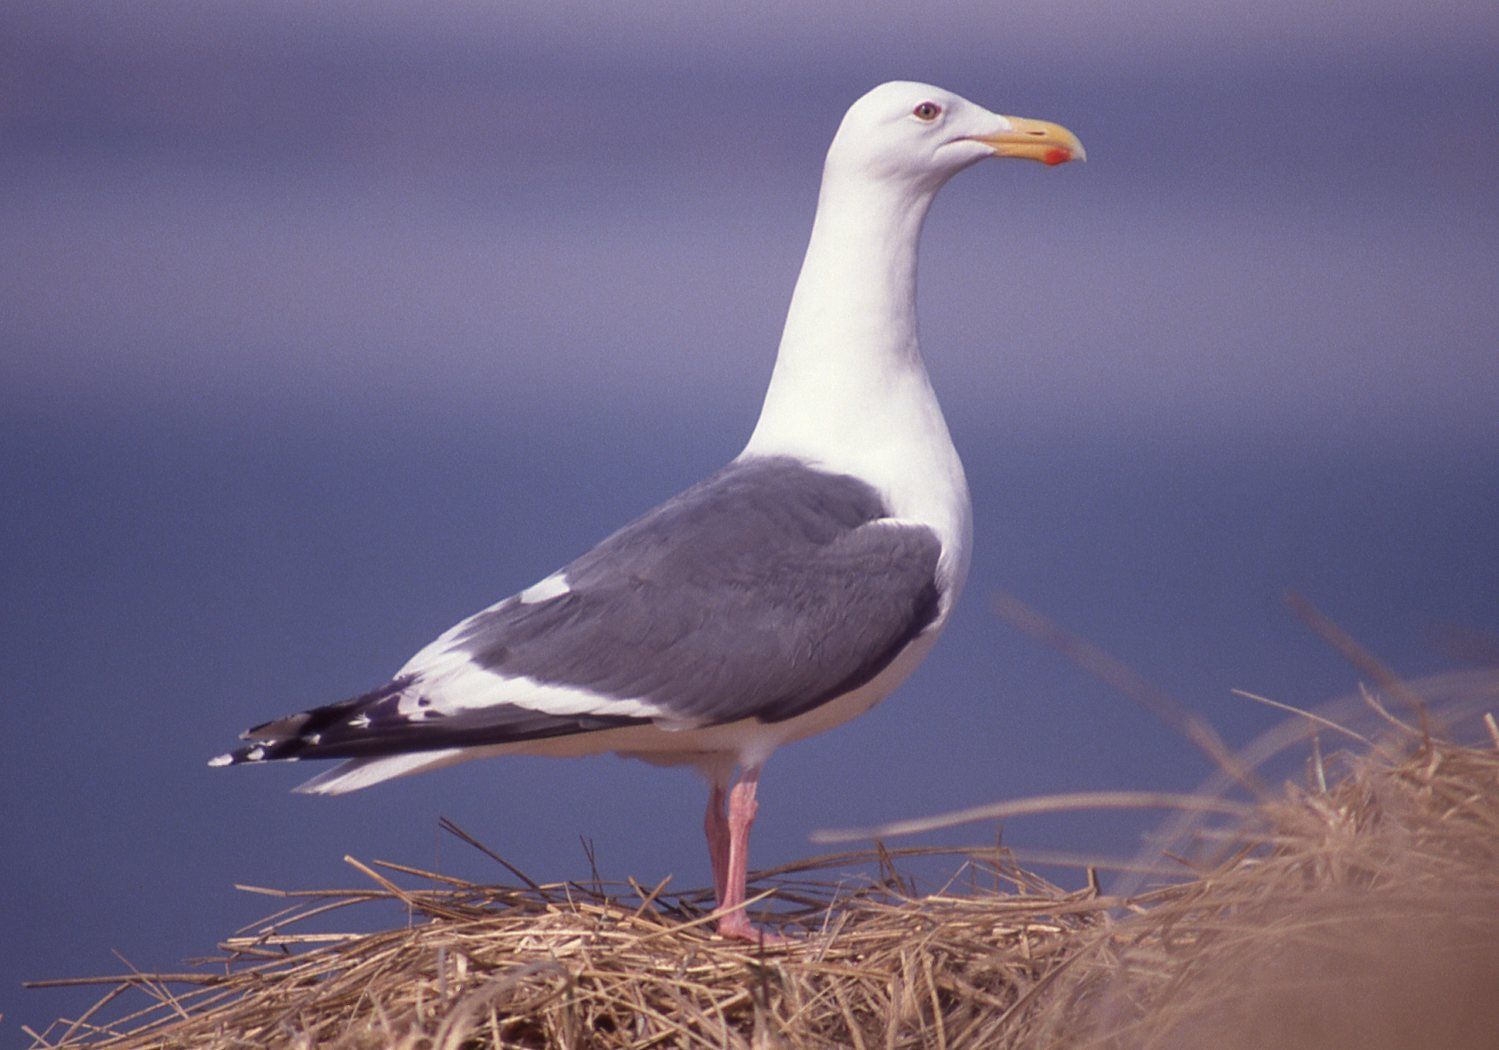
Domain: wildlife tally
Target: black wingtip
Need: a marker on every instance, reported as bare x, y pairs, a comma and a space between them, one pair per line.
261, 751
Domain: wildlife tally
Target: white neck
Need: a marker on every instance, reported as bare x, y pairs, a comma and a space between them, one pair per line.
850, 392
851, 327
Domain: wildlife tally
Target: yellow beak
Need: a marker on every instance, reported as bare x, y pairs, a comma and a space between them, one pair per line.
1035, 140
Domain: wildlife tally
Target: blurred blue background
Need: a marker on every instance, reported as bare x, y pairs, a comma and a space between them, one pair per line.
326, 325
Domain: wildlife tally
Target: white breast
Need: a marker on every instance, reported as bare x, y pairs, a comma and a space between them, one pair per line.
899, 444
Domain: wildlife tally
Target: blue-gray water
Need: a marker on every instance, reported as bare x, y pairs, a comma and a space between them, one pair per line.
321, 335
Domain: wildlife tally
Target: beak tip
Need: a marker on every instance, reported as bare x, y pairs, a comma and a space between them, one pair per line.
1041, 140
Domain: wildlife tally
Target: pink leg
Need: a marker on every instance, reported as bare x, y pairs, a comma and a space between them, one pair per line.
716, 827
742, 808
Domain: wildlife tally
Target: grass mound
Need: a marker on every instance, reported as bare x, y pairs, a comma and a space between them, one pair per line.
1363, 911
589, 964
1357, 908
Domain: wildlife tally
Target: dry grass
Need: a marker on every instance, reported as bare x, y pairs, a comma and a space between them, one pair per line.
1364, 913
1356, 907
593, 965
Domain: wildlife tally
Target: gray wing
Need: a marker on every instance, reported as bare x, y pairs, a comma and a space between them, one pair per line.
762, 592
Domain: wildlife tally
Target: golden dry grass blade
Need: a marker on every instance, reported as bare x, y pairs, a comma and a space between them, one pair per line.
1120, 676
1326, 723
1090, 800
1361, 658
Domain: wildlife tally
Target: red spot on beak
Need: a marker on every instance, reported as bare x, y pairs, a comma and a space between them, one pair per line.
1059, 155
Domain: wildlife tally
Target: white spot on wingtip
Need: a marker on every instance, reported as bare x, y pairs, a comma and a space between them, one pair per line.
221, 760
362, 722
255, 754
313, 739
554, 586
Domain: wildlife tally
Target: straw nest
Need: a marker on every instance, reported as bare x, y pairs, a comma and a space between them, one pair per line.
1358, 905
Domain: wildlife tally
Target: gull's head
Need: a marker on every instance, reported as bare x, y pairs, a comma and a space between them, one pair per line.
921, 136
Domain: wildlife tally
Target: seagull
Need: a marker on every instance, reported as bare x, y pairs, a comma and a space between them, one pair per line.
781, 596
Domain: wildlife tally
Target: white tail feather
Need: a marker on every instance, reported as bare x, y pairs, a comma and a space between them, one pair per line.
363, 772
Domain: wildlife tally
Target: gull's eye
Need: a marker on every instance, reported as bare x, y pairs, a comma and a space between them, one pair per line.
927, 111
